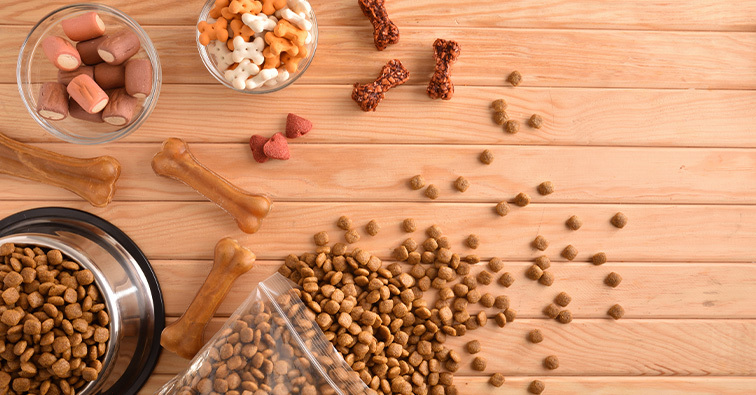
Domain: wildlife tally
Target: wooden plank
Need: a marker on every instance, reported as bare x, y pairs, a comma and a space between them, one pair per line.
596, 348
381, 173
648, 290
705, 15
578, 385
677, 233
601, 117
566, 58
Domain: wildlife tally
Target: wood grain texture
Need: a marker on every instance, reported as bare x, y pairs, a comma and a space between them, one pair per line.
563, 58
592, 117
648, 290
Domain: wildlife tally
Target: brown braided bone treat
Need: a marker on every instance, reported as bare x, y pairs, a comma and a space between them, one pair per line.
445, 52
177, 162
93, 179
368, 96
185, 336
385, 32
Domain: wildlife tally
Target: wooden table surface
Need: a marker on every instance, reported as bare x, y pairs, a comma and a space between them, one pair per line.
649, 108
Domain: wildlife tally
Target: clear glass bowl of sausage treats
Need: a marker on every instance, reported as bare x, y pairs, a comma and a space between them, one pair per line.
88, 74
255, 46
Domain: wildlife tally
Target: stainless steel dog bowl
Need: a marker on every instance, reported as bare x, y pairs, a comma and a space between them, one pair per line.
126, 281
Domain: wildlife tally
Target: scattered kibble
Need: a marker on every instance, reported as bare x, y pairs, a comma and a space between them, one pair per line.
551, 362
495, 264
501, 302
431, 192
563, 299
321, 238
613, 279
479, 364
543, 262
535, 336
372, 228
616, 312
599, 259
461, 184
499, 105
487, 300
515, 78
501, 320
434, 231
534, 272
564, 317
510, 314
535, 121
486, 157
497, 380
344, 223
536, 387
473, 347
506, 279
502, 208
540, 243
484, 277
417, 182
574, 222
511, 126
500, 117
409, 225
551, 311
430, 244
619, 220
546, 188
569, 252
352, 236
473, 241
547, 278
522, 199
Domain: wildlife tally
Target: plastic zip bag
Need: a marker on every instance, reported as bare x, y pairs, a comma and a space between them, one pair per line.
270, 345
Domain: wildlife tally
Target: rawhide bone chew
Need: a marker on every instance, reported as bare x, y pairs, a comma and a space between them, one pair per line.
369, 95
177, 162
185, 336
445, 52
385, 32
93, 178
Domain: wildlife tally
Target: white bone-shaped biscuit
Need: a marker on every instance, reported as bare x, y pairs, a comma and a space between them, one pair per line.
223, 57
260, 23
283, 75
298, 20
299, 6
261, 78
249, 50
238, 76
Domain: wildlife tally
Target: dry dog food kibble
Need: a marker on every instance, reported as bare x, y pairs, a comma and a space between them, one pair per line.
431, 192
616, 312
344, 223
535, 121
613, 279
499, 105
501, 302
619, 220
511, 314
417, 182
569, 252
506, 279
551, 362
543, 262
408, 225
534, 272
564, 317
486, 157
574, 222
473, 347
535, 336
461, 184
352, 236
515, 78
547, 278
372, 228
551, 311
495, 264
479, 364
484, 277
546, 188
563, 299
599, 259
540, 243
536, 387
487, 300
473, 241
321, 238
522, 199
511, 126
497, 380
500, 118
502, 208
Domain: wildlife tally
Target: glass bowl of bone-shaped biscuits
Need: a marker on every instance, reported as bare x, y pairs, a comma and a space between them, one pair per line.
257, 46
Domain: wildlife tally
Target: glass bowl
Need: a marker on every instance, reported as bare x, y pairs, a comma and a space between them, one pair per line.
212, 67
34, 69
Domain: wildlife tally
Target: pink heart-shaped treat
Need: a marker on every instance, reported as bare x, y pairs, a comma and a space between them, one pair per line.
256, 143
297, 126
277, 147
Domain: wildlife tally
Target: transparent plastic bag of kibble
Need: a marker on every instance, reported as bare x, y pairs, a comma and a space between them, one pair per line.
270, 345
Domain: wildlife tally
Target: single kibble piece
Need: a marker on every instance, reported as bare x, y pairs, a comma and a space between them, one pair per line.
536, 387
497, 380
495, 264
461, 184
486, 157
417, 182
543, 262
502, 208
569, 252
619, 220
344, 223
501, 320
501, 302
564, 317
534, 272
479, 364
535, 336
547, 278
500, 117
599, 259
506, 279
372, 228
487, 300
574, 222
431, 192
352, 236
563, 299
473, 241
613, 279
551, 311
409, 225
499, 105
512, 126
321, 238
484, 277
551, 362
546, 188
522, 199
616, 312
511, 314
515, 78
434, 231
540, 243
535, 121
473, 347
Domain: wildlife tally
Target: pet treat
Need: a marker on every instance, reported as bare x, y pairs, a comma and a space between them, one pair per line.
431, 192
484, 277
138, 78
522, 199
551, 362
285, 29
217, 30
87, 93
88, 50
613, 280
408, 225
506, 279
543, 262
240, 75
64, 77
83, 27
564, 317
257, 144
574, 222
417, 182
434, 231
535, 335
563, 299
344, 223
540, 243
479, 364
487, 300
535, 121
385, 31
109, 77
486, 157
473, 241
61, 53
500, 118
93, 179
499, 105
536, 387
547, 278
569, 252
321, 238
502, 208
253, 50
262, 78
177, 162
352, 236
546, 188
515, 78
461, 184
259, 23
277, 148
511, 126
445, 54
619, 220
119, 47
430, 244
599, 259
75, 111
368, 96
496, 380
269, 7
53, 101
297, 126
120, 109
495, 264
501, 320
510, 314
473, 347
616, 312
372, 228
501, 302
551, 310
185, 336
298, 20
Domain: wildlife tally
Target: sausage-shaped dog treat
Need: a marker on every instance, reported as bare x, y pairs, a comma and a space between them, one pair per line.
119, 47
83, 27
61, 53
120, 109
75, 111
87, 93
139, 78
64, 77
108, 76
53, 101
88, 50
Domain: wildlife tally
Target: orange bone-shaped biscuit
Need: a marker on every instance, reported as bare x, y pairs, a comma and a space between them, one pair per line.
271, 61
240, 29
286, 30
177, 162
215, 12
245, 7
93, 179
185, 336
291, 63
216, 31
270, 7
280, 44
